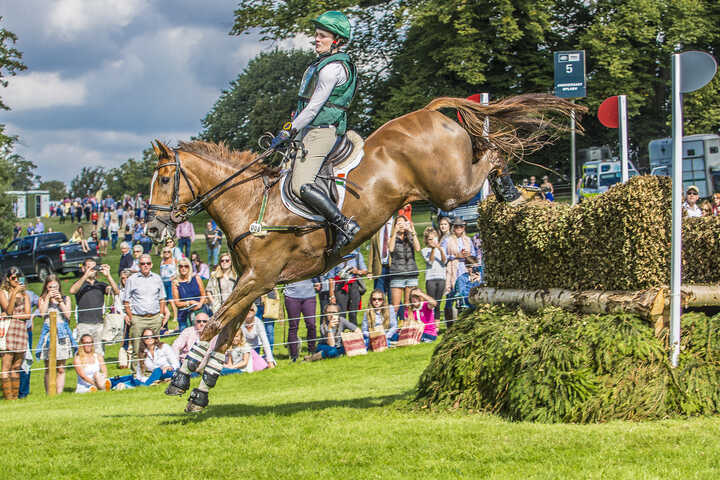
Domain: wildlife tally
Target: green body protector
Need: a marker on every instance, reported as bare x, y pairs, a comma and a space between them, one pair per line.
334, 112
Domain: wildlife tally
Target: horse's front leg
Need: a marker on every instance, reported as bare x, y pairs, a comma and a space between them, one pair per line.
224, 324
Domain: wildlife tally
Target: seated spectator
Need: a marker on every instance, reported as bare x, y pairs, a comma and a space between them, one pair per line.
331, 327
379, 316
156, 361
90, 368
188, 293
189, 336
51, 299
242, 358
199, 267
463, 284
420, 309
435, 261
253, 331
79, 237
176, 252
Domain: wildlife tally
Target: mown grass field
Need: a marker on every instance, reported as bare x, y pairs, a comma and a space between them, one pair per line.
346, 418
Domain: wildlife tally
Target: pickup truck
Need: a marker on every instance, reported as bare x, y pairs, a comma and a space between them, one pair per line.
45, 253
467, 211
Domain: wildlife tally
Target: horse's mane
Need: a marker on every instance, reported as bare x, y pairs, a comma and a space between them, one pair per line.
518, 125
217, 151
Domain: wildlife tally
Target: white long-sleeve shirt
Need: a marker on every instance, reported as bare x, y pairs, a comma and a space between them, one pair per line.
330, 76
164, 356
255, 336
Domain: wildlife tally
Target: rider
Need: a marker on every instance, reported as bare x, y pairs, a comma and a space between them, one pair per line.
326, 91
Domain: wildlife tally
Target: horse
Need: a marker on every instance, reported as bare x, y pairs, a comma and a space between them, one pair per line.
423, 155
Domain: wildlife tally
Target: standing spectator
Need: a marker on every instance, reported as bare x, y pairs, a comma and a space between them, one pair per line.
30, 229
435, 261
547, 189
346, 287
90, 368
379, 315
104, 238
187, 338
119, 307
322, 287
533, 182
379, 257
120, 212
15, 304
176, 252
130, 221
460, 251
213, 240
188, 293
17, 230
331, 326
403, 268
114, 229
52, 299
199, 267
222, 282
421, 310
126, 258
94, 218
690, 205
144, 301
137, 253
39, 226
60, 212
300, 299
262, 304
90, 300
185, 233
254, 332
444, 228
168, 270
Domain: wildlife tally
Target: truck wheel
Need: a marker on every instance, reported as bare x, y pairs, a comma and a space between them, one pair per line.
43, 271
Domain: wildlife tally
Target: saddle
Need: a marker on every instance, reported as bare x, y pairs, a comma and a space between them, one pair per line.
345, 155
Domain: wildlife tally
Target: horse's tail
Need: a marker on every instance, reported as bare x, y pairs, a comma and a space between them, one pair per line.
518, 125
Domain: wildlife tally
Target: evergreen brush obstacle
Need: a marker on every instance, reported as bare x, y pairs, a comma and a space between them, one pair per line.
557, 366
617, 241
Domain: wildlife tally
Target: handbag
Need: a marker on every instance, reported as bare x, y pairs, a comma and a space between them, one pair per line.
378, 341
353, 343
4, 325
410, 334
271, 308
113, 328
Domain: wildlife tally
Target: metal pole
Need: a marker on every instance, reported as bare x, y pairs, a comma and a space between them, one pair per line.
677, 191
52, 356
622, 123
572, 156
485, 100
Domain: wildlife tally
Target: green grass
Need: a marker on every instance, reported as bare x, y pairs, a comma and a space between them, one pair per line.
345, 418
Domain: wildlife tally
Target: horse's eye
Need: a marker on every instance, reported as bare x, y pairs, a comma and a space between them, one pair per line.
165, 180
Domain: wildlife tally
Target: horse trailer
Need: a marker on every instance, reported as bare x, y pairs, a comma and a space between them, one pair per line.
701, 161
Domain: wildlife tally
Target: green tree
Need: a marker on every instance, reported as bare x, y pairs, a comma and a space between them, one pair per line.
22, 172
259, 100
88, 182
132, 176
57, 189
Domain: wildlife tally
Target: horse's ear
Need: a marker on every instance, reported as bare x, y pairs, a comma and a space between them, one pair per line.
161, 150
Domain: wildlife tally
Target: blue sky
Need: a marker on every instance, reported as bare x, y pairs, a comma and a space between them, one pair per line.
105, 77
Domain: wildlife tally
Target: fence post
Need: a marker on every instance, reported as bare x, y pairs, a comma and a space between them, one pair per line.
52, 356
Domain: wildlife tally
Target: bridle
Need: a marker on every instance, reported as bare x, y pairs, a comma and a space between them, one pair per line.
179, 212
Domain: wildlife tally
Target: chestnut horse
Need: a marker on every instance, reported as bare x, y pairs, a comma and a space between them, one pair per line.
424, 155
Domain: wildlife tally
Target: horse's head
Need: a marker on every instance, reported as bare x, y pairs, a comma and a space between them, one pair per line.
170, 192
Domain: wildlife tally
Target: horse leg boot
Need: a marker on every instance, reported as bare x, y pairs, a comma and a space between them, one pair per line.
346, 228
504, 189
198, 399
181, 378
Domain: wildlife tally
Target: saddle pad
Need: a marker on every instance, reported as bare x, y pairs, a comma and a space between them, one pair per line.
341, 170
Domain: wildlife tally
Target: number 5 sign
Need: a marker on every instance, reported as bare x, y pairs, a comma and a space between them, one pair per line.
570, 74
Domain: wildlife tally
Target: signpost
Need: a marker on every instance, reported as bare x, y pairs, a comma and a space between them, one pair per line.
690, 71
570, 83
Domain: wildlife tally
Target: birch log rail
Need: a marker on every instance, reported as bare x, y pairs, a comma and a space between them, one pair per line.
649, 304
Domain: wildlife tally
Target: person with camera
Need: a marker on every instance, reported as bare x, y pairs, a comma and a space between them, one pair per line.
346, 285
331, 328
15, 308
90, 299
403, 267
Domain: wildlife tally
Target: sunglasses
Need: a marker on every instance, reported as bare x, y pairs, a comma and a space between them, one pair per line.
183, 266
377, 299
225, 260
200, 321
145, 263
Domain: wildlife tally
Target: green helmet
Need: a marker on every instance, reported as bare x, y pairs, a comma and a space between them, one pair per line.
335, 22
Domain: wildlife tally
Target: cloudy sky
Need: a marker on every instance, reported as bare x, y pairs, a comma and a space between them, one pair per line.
105, 77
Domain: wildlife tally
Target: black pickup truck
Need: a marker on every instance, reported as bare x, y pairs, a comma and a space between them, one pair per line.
45, 253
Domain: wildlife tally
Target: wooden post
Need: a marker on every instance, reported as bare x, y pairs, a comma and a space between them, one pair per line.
52, 356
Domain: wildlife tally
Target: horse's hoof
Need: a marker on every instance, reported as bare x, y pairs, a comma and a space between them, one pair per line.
174, 391
192, 408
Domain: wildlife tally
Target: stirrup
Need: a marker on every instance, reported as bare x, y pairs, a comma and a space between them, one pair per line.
345, 232
197, 401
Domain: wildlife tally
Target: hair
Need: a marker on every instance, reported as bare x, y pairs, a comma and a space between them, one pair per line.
51, 278
184, 261
384, 311
79, 228
706, 205
329, 306
142, 351
85, 262
169, 240
6, 278
218, 272
139, 247
429, 230
241, 340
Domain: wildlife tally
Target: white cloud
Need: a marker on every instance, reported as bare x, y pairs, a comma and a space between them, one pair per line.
67, 18
44, 90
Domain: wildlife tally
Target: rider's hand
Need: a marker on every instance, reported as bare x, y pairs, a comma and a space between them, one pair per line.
282, 137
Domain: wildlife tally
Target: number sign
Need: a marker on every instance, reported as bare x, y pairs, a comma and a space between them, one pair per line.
570, 74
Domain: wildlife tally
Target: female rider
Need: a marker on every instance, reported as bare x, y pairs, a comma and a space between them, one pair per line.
326, 91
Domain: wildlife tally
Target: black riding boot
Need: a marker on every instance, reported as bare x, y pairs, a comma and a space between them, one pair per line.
346, 228
503, 187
